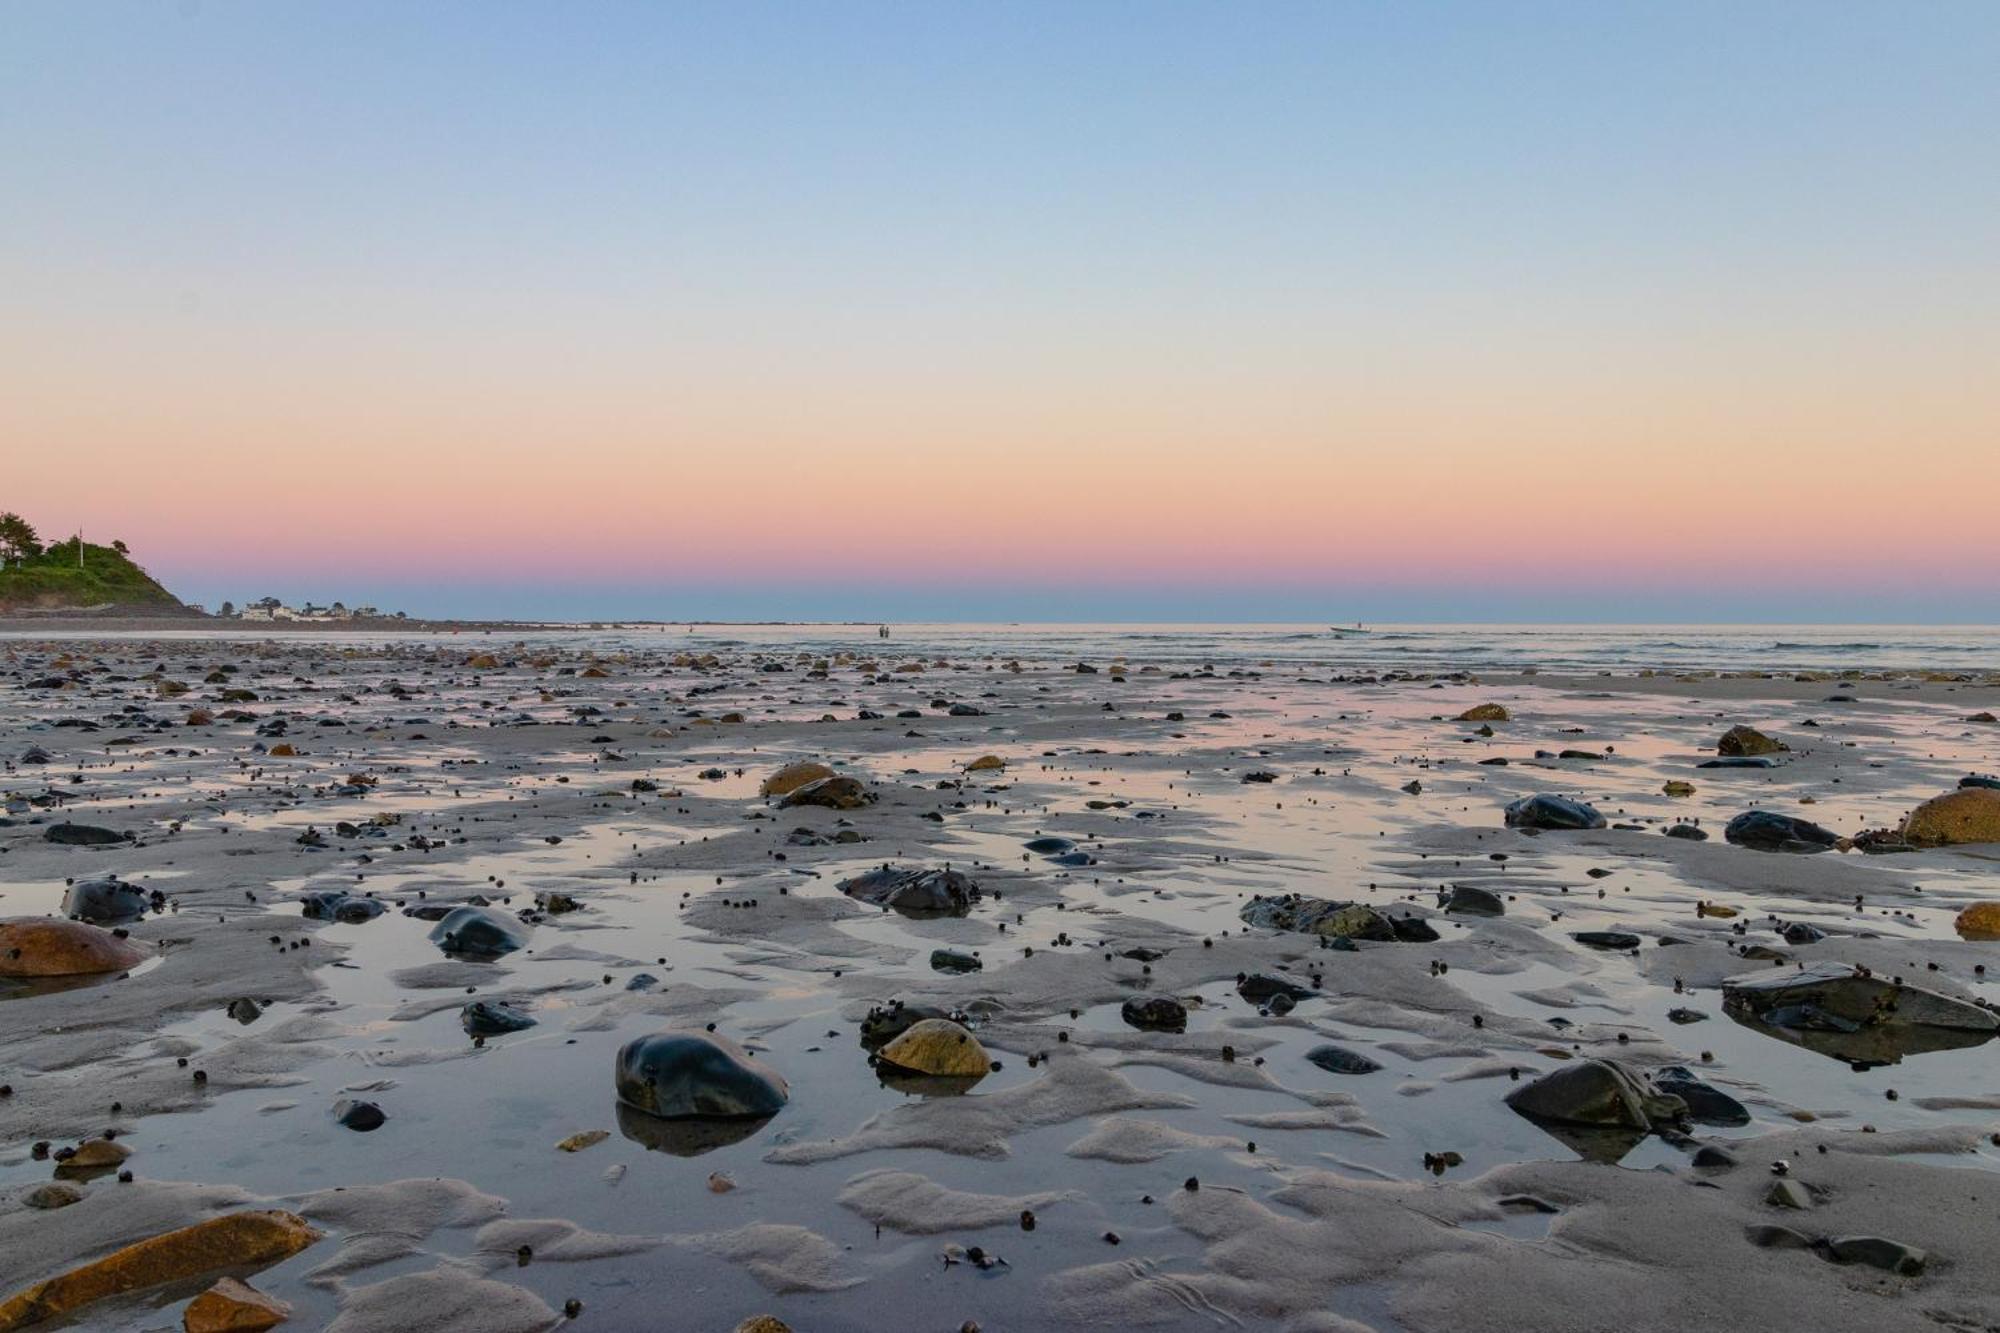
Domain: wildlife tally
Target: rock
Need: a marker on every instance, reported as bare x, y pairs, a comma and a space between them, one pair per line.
1685, 1016
763, 1323
939, 1048
231, 1306
46, 947
490, 1018
1763, 831
792, 777
986, 763
1049, 846
955, 960
835, 793
1676, 787
1799, 932
235, 1241
1970, 814
1319, 916
1778, 1238
1595, 1092
684, 1074
105, 901
1471, 900
479, 932
1552, 812
1983, 716
1607, 939
55, 1194
1788, 1193
1980, 780
1740, 761
1155, 1013
332, 905
1743, 741
1706, 1104
885, 1023
1340, 1060
1484, 713
1981, 921
84, 835
361, 1117
1710, 1157
588, 1138
1857, 1018
1262, 988
1689, 832
1888, 1255
915, 892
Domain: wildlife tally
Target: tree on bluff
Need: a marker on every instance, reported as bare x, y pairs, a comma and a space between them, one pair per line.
18, 540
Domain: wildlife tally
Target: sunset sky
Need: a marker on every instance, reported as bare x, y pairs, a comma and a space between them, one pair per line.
1187, 311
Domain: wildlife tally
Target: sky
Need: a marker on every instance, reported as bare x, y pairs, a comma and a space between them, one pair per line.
1081, 310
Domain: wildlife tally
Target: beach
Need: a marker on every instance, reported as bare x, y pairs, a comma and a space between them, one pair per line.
1312, 1131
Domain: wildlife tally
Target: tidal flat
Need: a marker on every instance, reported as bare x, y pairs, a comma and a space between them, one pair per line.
1278, 1017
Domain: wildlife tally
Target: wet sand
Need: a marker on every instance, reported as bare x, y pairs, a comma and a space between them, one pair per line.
1323, 1200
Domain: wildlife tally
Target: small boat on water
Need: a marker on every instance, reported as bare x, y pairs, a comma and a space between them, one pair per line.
1344, 632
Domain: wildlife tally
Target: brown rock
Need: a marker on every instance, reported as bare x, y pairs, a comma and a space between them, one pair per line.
1484, 713
986, 763
1970, 814
763, 1323
1741, 740
939, 1047
238, 1240
1981, 921
45, 947
233, 1307
794, 776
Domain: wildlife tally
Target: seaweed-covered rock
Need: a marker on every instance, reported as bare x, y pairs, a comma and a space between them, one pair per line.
479, 932
678, 1074
1767, 831
794, 776
1545, 811
835, 793
45, 947
1969, 814
1746, 742
914, 891
1318, 916
1484, 713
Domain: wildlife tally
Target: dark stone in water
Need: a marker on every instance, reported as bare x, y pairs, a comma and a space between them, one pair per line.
1979, 780
679, 1074
1552, 812
1262, 987
1688, 831
335, 906
1340, 1060
642, 981
1764, 831
1471, 900
245, 1011
1049, 846
361, 1117
1739, 761
887, 1022
1705, 1103
914, 892
1859, 1020
1798, 932
954, 960
1073, 859
1606, 939
84, 835
1156, 1013
1685, 1016
490, 1018
104, 901
479, 932
1412, 930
